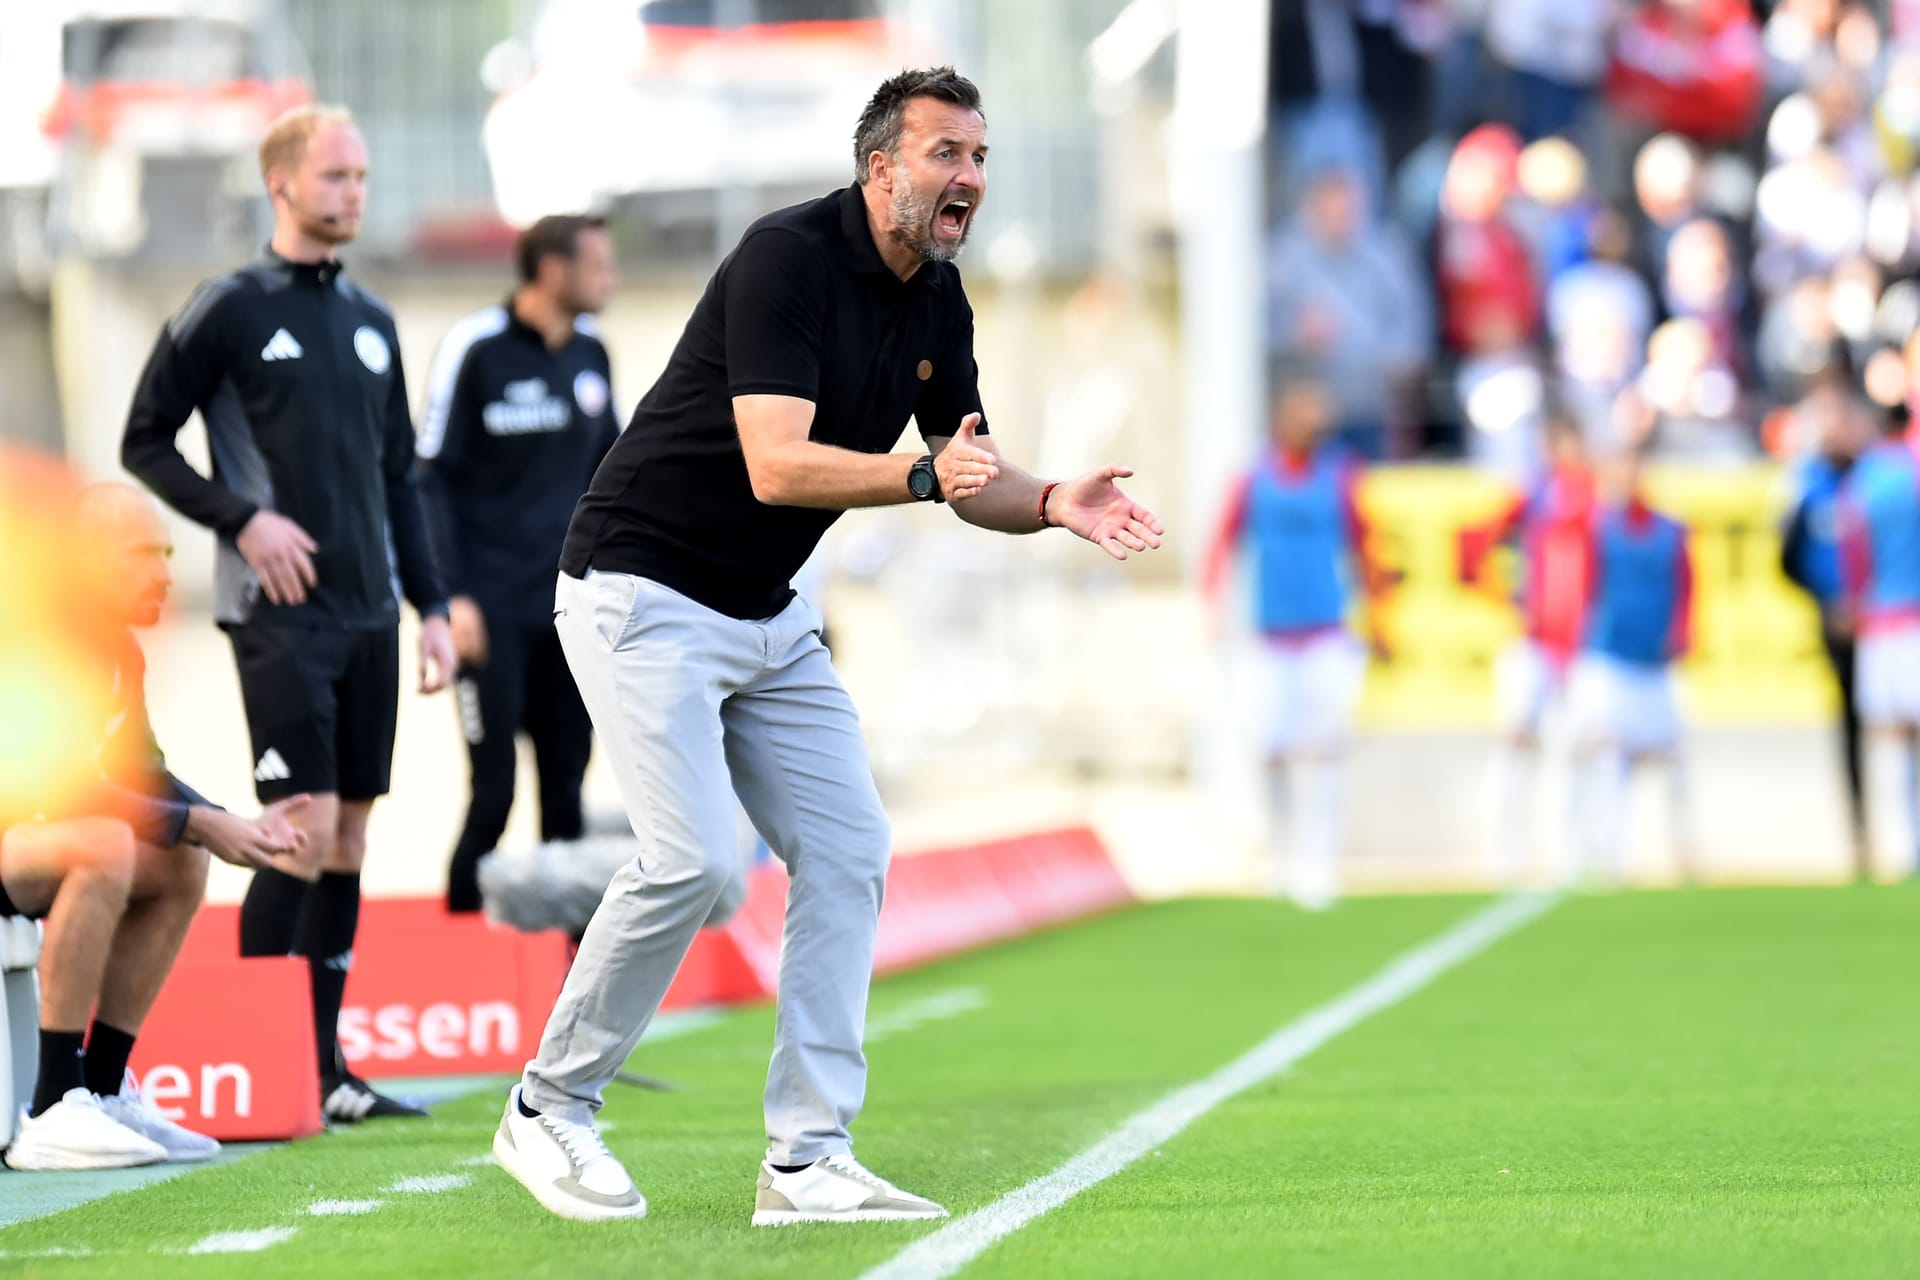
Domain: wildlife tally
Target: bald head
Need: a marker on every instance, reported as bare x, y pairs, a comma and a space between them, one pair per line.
123, 549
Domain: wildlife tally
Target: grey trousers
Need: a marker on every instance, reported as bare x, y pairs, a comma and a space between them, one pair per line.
692, 707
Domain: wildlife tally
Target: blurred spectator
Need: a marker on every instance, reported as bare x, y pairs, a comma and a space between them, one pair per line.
1690, 67
1554, 209
1599, 314
1797, 335
1687, 402
1345, 300
1701, 282
1489, 302
1798, 44
1666, 191
1554, 53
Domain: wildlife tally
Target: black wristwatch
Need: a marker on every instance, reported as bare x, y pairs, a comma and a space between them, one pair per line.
922, 483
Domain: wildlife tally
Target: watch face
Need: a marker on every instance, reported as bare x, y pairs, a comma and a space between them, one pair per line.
920, 482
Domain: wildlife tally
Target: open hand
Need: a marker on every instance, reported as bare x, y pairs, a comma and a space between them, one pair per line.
1094, 508
963, 467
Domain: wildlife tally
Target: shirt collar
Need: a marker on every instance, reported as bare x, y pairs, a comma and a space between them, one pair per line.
318, 272
853, 225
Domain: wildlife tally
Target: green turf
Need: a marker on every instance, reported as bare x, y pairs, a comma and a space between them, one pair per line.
1082, 1027
1714, 1083
1679, 1084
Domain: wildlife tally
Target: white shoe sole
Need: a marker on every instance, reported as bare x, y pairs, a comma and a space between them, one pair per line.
794, 1217
551, 1198
31, 1161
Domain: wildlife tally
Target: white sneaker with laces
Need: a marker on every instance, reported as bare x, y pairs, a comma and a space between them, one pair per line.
77, 1133
131, 1108
565, 1165
837, 1188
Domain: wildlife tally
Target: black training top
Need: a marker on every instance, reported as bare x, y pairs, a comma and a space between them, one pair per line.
802, 307
511, 436
296, 371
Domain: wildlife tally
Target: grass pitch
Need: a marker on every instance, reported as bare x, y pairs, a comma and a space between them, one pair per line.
1691, 1083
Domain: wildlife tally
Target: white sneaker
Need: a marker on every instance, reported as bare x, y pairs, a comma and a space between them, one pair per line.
76, 1133
131, 1108
565, 1165
835, 1189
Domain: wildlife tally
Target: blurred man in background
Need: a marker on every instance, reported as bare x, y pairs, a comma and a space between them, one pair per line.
118, 879
1553, 522
1810, 555
1620, 694
1296, 513
1880, 559
296, 372
519, 413
1346, 300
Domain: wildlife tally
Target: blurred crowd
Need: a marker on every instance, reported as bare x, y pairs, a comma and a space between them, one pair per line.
1661, 216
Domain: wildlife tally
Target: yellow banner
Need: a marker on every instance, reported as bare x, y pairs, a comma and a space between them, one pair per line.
1757, 655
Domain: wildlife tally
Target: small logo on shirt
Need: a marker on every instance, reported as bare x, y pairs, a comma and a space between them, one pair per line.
372, 349
526, 408
925, 370
281, 346
590, 393
271, 768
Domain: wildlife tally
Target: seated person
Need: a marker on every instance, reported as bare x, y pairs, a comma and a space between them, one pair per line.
118, 876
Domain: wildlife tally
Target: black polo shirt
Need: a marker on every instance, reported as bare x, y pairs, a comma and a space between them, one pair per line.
802, 307
512, 434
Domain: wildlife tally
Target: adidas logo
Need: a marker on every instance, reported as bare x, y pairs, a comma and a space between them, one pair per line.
281, 346
271, 767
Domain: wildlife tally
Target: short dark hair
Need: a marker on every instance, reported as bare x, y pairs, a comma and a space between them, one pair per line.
881, 122
554, 235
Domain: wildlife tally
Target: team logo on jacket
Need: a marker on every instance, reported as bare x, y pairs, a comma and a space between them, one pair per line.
524, 408
590, 393
372, 348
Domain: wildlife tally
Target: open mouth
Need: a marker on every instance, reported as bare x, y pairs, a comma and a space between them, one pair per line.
953, 216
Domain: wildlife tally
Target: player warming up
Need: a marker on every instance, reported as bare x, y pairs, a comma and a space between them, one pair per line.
1880, 556
827, 327
296, 372
1296, 513
1620, 695
1552, 522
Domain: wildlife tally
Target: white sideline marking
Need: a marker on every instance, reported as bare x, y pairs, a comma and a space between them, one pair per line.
474, 1162
57, 1251
243, 1241
950, 1003
955, 1245
430, 1183
338, 1208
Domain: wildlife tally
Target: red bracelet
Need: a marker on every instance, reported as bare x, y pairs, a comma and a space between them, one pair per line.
1044, 495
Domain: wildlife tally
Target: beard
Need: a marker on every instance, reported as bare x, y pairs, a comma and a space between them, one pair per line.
913, 213
328, 233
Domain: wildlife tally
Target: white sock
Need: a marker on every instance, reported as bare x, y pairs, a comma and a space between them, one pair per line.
1282, 812
1319, 826
1686, 851
1599, 815
1515, 774
1891, 800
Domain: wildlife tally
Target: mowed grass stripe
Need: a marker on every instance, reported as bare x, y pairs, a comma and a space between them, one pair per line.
1701, 1084
1083, 1027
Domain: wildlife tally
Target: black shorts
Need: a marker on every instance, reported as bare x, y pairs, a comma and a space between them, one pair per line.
321, 707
